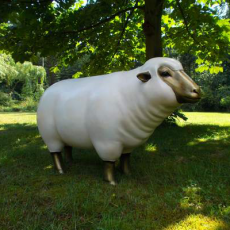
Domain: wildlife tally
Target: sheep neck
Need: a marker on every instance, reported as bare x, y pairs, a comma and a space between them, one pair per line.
143, 112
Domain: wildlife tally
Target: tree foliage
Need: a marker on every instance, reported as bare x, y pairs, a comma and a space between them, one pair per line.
21, 79
197, 29
216, 91
111, 32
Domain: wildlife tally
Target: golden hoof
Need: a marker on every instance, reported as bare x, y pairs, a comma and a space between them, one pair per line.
60, 171
109, 168
58, 162
125, 164
114, 183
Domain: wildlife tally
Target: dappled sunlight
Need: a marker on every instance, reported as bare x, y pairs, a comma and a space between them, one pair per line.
192, 198
43, 147
48, 167
150, 148
14, 126
198, 222
196, 141
221, 137
25, 141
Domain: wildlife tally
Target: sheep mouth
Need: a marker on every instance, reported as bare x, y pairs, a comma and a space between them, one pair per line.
185, 99
192, 99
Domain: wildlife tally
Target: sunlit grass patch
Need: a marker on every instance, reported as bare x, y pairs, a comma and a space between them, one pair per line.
192, 198
17, 118
220, 119
198, 222
150, 148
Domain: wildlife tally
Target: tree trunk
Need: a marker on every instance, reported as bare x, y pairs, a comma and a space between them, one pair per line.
51, 61
152, 28
52, 78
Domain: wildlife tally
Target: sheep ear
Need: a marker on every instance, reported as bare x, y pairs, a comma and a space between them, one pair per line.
144, 77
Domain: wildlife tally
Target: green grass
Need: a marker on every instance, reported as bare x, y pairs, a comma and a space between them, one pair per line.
180, 181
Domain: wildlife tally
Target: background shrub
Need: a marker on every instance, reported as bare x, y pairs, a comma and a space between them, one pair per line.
5, 99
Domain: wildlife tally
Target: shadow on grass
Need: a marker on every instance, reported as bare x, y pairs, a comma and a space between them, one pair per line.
190, 166
19, 144
22, 126
180, 171
18, 113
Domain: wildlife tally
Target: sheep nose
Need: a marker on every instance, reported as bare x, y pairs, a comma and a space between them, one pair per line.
197, 91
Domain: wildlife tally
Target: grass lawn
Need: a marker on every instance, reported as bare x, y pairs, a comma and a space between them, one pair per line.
180, 181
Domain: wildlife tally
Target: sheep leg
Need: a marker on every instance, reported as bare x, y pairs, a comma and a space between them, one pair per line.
109, 168
125, 163
68, 155
58, 162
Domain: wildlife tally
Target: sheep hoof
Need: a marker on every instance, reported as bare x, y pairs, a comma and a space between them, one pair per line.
114, 183
125, 164
60, 171
68, 155
58, 162
109, 168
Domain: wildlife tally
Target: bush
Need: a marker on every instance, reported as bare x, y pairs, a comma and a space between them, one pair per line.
216, 91
225, 102
5, 99
27, 105
172, 119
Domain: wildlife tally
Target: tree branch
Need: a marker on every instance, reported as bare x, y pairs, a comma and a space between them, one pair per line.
185, 21
141, 7
102, 21
29, 1
124, 27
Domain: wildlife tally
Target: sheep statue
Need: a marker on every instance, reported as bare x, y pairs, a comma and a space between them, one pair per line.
113, 113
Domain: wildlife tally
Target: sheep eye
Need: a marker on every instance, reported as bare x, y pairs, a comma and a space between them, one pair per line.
165, 74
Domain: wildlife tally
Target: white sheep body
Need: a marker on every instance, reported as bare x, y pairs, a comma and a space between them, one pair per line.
112, 113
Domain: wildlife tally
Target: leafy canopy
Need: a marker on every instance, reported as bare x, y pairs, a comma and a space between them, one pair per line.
111, 32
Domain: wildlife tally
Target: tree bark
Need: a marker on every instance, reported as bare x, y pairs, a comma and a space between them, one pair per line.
152, 28
51, 61
52, 78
